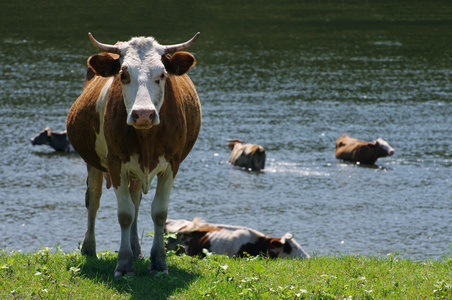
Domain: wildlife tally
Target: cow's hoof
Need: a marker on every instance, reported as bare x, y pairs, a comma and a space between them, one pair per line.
124, 269
88, 251
155, 272
119, 274
155, 268
88, 247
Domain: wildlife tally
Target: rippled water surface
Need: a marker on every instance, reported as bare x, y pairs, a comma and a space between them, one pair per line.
290, 76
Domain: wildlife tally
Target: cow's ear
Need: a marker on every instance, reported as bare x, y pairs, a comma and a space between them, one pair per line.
287, 237
105, 64
179, 63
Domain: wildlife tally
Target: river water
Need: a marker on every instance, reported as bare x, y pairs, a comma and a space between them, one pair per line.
289, 75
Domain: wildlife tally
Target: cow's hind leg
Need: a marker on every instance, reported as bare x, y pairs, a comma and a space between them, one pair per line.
159, 214
92, 199
135, 193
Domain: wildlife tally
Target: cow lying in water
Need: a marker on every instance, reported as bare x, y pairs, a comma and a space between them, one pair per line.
352, 149
248, 156
57, 140
196, 235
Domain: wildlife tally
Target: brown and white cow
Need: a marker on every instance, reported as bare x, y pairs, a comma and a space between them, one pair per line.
249, 156
138, 117
196, 235
57, 140
352, 149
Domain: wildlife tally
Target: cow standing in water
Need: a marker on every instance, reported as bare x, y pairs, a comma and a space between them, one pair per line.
352, 149
249, 156
138, 117
57, 140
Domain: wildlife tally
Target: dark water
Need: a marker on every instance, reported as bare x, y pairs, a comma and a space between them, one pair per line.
290, 75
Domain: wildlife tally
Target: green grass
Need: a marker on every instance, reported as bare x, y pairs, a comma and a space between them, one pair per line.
53, 274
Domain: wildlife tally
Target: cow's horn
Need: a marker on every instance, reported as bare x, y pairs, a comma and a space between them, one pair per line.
104, 47
179, 47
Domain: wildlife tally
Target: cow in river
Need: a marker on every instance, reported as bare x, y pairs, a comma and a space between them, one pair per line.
138, 117
249, 156
352, 149
195, 236
57, 140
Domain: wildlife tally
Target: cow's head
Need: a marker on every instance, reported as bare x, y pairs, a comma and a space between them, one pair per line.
383, 148
233, 142
42, 138
286, 246
143, 65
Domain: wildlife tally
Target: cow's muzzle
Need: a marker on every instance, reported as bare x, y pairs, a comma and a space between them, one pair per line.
144, 118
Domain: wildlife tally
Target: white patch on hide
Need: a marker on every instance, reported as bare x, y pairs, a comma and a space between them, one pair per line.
145, 176
101, 144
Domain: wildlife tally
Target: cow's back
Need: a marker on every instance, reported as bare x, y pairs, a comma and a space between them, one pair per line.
345, 147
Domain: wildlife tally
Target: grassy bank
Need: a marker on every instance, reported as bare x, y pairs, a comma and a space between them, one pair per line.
53, 274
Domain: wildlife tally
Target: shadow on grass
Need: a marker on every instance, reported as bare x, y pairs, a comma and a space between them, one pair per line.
140, 286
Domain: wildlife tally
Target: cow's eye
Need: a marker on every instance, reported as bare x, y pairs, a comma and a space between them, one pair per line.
125, 76
161, 77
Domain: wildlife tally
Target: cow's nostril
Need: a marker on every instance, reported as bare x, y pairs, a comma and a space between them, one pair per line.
135, 116
152, 116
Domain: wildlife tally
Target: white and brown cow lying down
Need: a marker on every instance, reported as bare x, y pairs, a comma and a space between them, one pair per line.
352, 149
57, 140
138, 117
194, 236
248, 156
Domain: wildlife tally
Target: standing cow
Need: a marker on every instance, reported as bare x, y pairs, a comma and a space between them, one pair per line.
138, 117
196, 235
352, 149
57, 140
248, 156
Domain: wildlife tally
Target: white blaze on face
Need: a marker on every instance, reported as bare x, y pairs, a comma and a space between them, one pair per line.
143, 80
385, 146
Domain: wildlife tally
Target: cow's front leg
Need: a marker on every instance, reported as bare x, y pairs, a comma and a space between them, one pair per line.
92, 200
126, 216
159, 213
135, 193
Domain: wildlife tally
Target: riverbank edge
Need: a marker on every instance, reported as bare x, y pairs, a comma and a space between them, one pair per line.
51, 273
